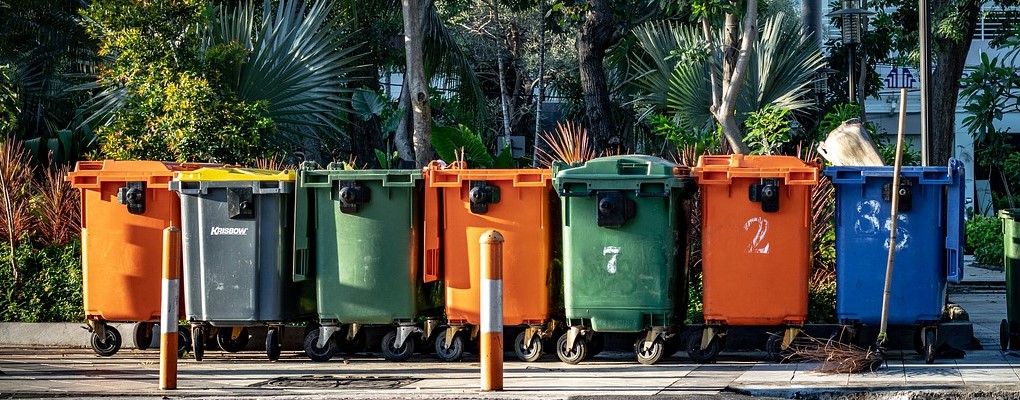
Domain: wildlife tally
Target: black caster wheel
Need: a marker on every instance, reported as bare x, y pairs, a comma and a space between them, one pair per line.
452, 353
143, 335
930, 338
198, 342
316, 353
571, 356
393, 353
652, 354
1004, 335
110, 345
528, 352
706, 355
226, 340
272, 345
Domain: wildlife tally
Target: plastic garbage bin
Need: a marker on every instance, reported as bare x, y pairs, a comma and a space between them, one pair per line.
460, 205
929, 245
125, 205
756, 247
358, 234
625, 253
237, 227
1010, 327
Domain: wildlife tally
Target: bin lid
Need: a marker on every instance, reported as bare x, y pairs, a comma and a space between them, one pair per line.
723, 168
1010, 213
313, 177
614, 167
89, 174
438, 174
233, 175
931, 175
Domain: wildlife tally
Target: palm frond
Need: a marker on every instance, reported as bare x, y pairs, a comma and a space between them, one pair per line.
446, 63
674, 65
294, 64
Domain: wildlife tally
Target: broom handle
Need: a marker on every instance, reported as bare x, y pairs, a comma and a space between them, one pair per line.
883, 326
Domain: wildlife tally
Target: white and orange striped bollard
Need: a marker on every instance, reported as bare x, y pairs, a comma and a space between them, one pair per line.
169, 311
491, 346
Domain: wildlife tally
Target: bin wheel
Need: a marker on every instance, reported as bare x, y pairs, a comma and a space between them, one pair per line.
452, 353
774, 348
706, 355
529, 352
929, 345
351, 346
673, 344
198, 342
183, 341
226, 341
654, 352
393, 353
595, 345
571, 356
273, 344
1004, 335
316, 353
112, 344
143, 335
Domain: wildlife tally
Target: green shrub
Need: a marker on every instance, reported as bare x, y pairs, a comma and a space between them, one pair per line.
695, 307
822, 299
50, 287
984, 239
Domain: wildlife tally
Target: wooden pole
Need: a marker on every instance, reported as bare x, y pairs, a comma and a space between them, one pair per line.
883, 326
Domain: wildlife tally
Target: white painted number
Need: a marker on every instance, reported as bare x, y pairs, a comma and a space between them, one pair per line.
758, 245
868, 224
611, 251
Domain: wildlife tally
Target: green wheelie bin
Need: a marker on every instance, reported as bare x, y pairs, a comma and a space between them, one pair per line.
358, 235
1009, 329
625, 253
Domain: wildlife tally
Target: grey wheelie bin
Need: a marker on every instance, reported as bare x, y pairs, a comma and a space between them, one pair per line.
237, 246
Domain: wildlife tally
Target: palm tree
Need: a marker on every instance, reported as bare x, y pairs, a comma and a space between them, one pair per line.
672, 69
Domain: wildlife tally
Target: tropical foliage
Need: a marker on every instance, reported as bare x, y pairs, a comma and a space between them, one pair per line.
671, 72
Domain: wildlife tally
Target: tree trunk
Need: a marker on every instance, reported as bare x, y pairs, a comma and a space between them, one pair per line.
402, 139
415, 78
945, 83
594, 38
733, 78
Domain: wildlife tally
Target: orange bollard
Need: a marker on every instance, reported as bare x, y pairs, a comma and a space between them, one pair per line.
169, 311
491, 346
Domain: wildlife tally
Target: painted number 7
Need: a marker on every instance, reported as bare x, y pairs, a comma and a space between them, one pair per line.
612, 252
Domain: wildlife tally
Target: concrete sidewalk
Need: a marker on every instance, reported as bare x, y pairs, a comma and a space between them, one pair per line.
77, 372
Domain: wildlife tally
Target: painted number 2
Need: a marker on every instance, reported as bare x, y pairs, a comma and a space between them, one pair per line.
758, 244
612, 252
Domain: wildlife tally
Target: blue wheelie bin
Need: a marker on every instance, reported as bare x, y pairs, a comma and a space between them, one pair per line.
929, 245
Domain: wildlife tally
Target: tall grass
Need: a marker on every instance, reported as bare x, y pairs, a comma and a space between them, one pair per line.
57, 208
16, 219
568, 143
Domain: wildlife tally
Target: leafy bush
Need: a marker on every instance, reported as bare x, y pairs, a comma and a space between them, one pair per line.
984, 239
822, 298
767, 130
695, 302
50, 284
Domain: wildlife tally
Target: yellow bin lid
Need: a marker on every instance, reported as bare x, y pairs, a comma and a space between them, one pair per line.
234, 175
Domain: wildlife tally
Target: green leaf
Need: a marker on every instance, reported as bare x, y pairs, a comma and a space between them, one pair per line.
505, 159
381, 157
367, 104
448, 142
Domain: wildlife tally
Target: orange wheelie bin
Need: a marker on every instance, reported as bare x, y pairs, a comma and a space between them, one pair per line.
460, 205
125, 205
756, 247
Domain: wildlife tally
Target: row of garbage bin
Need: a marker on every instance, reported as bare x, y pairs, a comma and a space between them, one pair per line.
344, 249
